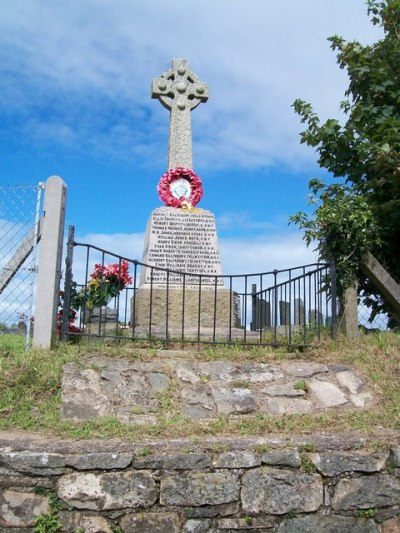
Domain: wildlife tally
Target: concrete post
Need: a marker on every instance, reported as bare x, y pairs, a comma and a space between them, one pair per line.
49, 269
349, 318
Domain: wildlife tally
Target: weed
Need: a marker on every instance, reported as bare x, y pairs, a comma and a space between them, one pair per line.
308, 466
307, 447
391, 467
144, 452
166, 400
41, 491
291, 514
48, 522
365, 513
218, 425
301, 385
219, 448
382, 342
248, 520
262, 448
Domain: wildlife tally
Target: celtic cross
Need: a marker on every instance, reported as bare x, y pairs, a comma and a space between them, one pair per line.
180, 91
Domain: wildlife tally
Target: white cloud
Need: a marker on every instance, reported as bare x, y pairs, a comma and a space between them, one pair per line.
128, 245
242, 220
256, 55
264, 254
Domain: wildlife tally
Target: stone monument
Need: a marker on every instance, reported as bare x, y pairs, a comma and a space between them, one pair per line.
181, 255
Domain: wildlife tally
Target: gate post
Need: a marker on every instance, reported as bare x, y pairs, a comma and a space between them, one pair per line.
49, 266
349, 316
67, 283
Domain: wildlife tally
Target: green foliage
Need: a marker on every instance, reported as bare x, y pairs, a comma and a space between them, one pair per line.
343, 227
301, 385
391, 467
365, 150
262, 448
365, 513
307, 447
10, 342
48, 522
308, 465
144, 452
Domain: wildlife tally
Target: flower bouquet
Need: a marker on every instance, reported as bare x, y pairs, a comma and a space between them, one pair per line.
105, 283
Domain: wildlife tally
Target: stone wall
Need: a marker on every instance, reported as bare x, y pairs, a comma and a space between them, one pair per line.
219, 486
102, 386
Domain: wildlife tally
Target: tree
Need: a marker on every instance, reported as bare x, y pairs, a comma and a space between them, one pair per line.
365, 152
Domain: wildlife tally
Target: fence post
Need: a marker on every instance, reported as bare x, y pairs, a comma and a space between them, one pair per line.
332, 268
49, 266
67, 283
349, 318
253, 323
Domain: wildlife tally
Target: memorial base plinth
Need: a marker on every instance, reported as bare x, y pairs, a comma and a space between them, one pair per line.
101, 321
188, 311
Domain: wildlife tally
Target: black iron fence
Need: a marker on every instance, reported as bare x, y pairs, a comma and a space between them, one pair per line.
110, 296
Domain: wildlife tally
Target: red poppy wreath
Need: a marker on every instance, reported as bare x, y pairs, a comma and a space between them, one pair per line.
180, 187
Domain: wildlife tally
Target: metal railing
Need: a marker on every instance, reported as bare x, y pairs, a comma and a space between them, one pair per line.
281, 307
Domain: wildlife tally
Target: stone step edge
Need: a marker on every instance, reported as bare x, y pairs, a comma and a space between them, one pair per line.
321, 442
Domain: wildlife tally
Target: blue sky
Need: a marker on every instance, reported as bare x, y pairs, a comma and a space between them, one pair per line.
75, 82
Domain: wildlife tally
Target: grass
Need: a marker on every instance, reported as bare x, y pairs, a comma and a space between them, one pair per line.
301, 385
30, 387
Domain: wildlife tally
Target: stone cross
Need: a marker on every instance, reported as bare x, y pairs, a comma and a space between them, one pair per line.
180, 91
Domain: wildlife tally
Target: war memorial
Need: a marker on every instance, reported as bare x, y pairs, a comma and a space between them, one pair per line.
180, 237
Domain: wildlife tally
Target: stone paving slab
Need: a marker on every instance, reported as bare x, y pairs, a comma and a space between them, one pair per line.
134, 392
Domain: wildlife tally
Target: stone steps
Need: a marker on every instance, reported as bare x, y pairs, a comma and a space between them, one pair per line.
129, 390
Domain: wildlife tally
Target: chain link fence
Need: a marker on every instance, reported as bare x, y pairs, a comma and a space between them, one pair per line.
378, 323
19, 233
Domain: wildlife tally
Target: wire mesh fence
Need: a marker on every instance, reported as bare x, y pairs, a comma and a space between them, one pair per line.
367, 321
19, 234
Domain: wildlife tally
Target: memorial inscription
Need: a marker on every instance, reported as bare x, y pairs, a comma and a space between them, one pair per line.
181, 241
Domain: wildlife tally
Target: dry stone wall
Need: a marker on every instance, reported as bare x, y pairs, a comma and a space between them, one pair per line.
102, 386
236, 486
